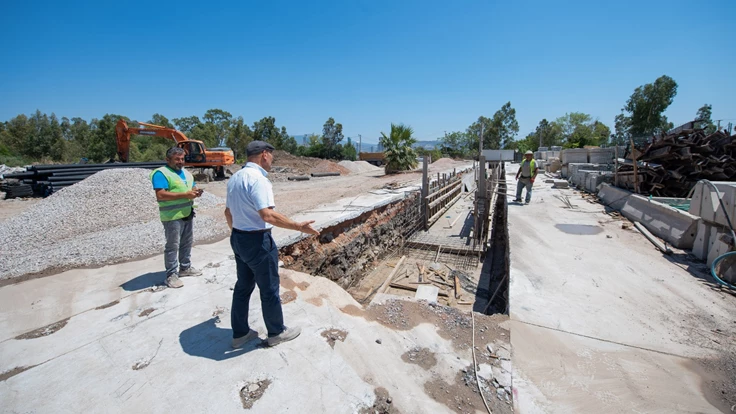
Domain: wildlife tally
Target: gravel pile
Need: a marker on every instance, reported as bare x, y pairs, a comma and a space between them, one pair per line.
359, 166
4, 169
109, 217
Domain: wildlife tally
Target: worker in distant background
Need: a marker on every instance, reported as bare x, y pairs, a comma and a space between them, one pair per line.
526, 175
250, 214
175, 193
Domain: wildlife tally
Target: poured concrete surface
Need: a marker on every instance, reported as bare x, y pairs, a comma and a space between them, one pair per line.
169, 350
601, 321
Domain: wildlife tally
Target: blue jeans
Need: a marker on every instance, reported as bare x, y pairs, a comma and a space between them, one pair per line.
524, 182
178, 250
257, 263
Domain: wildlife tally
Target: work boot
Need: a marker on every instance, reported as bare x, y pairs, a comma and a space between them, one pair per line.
173, 281
190, 271
287, 335
239, 342
517, 200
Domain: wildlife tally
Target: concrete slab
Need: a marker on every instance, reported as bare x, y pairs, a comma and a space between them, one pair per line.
604, 323
427, 292
129, 356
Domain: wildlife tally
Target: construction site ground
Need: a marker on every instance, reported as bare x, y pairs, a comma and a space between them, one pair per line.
602, 322
599, 322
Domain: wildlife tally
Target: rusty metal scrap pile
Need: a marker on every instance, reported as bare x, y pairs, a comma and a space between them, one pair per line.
671, 165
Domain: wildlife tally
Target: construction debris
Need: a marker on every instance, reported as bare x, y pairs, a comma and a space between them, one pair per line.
671, 165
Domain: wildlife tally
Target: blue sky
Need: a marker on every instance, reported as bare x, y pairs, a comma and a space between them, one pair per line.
434, 65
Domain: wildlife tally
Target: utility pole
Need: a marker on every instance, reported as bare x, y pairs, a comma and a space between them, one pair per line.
360, 143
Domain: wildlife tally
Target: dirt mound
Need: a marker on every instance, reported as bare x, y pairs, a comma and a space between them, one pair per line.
329, 166
444, 163
359, 166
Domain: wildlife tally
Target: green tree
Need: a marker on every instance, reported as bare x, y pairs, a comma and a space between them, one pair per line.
289, 145
498, 132
331, 137
704, 119
187, 124
158, 119
239, 138
266, 130
57, 149
221, 120
622, 127
646, 108
579, 129
454, 144
400, 156
103, 144
350, 153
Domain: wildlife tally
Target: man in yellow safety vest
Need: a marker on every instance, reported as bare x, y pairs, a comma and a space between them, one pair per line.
526, 175
175, 193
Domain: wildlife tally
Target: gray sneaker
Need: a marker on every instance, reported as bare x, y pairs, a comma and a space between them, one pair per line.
173, 281
239, 342
189, 272
287, 335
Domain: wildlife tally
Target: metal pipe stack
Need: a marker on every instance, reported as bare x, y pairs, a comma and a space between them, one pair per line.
45, 180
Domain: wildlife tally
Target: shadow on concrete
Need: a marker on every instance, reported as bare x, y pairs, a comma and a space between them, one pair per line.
697, 269
207, 340
145, 281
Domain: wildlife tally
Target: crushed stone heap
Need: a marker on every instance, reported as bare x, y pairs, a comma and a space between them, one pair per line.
110, 216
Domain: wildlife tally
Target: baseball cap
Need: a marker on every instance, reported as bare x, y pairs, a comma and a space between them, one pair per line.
257, 147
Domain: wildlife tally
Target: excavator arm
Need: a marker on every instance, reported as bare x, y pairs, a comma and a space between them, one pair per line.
123, 134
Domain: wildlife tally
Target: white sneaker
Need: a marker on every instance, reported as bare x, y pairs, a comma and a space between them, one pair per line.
189, 272
173, 281
287, 335
239, 342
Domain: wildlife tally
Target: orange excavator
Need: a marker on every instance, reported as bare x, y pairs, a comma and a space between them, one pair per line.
196, 154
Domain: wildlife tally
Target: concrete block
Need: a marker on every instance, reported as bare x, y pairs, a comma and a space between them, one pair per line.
600, 155
614, 197
427, 292
716, 246
701, 245
560, 184
574, 155
674, 226
564, 171
594, 179
705, 202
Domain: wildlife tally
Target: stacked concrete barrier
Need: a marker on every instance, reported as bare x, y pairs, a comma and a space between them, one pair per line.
600, 155
676, 227
709, 241
574, 155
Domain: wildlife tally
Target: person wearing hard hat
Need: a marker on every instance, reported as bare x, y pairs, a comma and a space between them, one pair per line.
525, 177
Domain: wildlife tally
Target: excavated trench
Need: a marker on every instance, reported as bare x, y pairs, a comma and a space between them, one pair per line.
496, 264
349, 251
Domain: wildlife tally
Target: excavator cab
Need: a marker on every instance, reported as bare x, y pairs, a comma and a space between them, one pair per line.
194, 151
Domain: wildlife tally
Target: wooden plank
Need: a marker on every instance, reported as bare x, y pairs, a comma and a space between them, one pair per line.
386, 282
412, 288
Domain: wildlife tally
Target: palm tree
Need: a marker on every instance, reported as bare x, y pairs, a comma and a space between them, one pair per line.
400, 156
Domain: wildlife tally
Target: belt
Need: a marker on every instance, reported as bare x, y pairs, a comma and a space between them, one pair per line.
526, 177
251, 231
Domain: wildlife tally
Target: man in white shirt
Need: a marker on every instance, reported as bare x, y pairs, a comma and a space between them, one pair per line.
251, 216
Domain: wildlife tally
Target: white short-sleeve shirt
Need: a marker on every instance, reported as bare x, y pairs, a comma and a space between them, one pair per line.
249, 191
